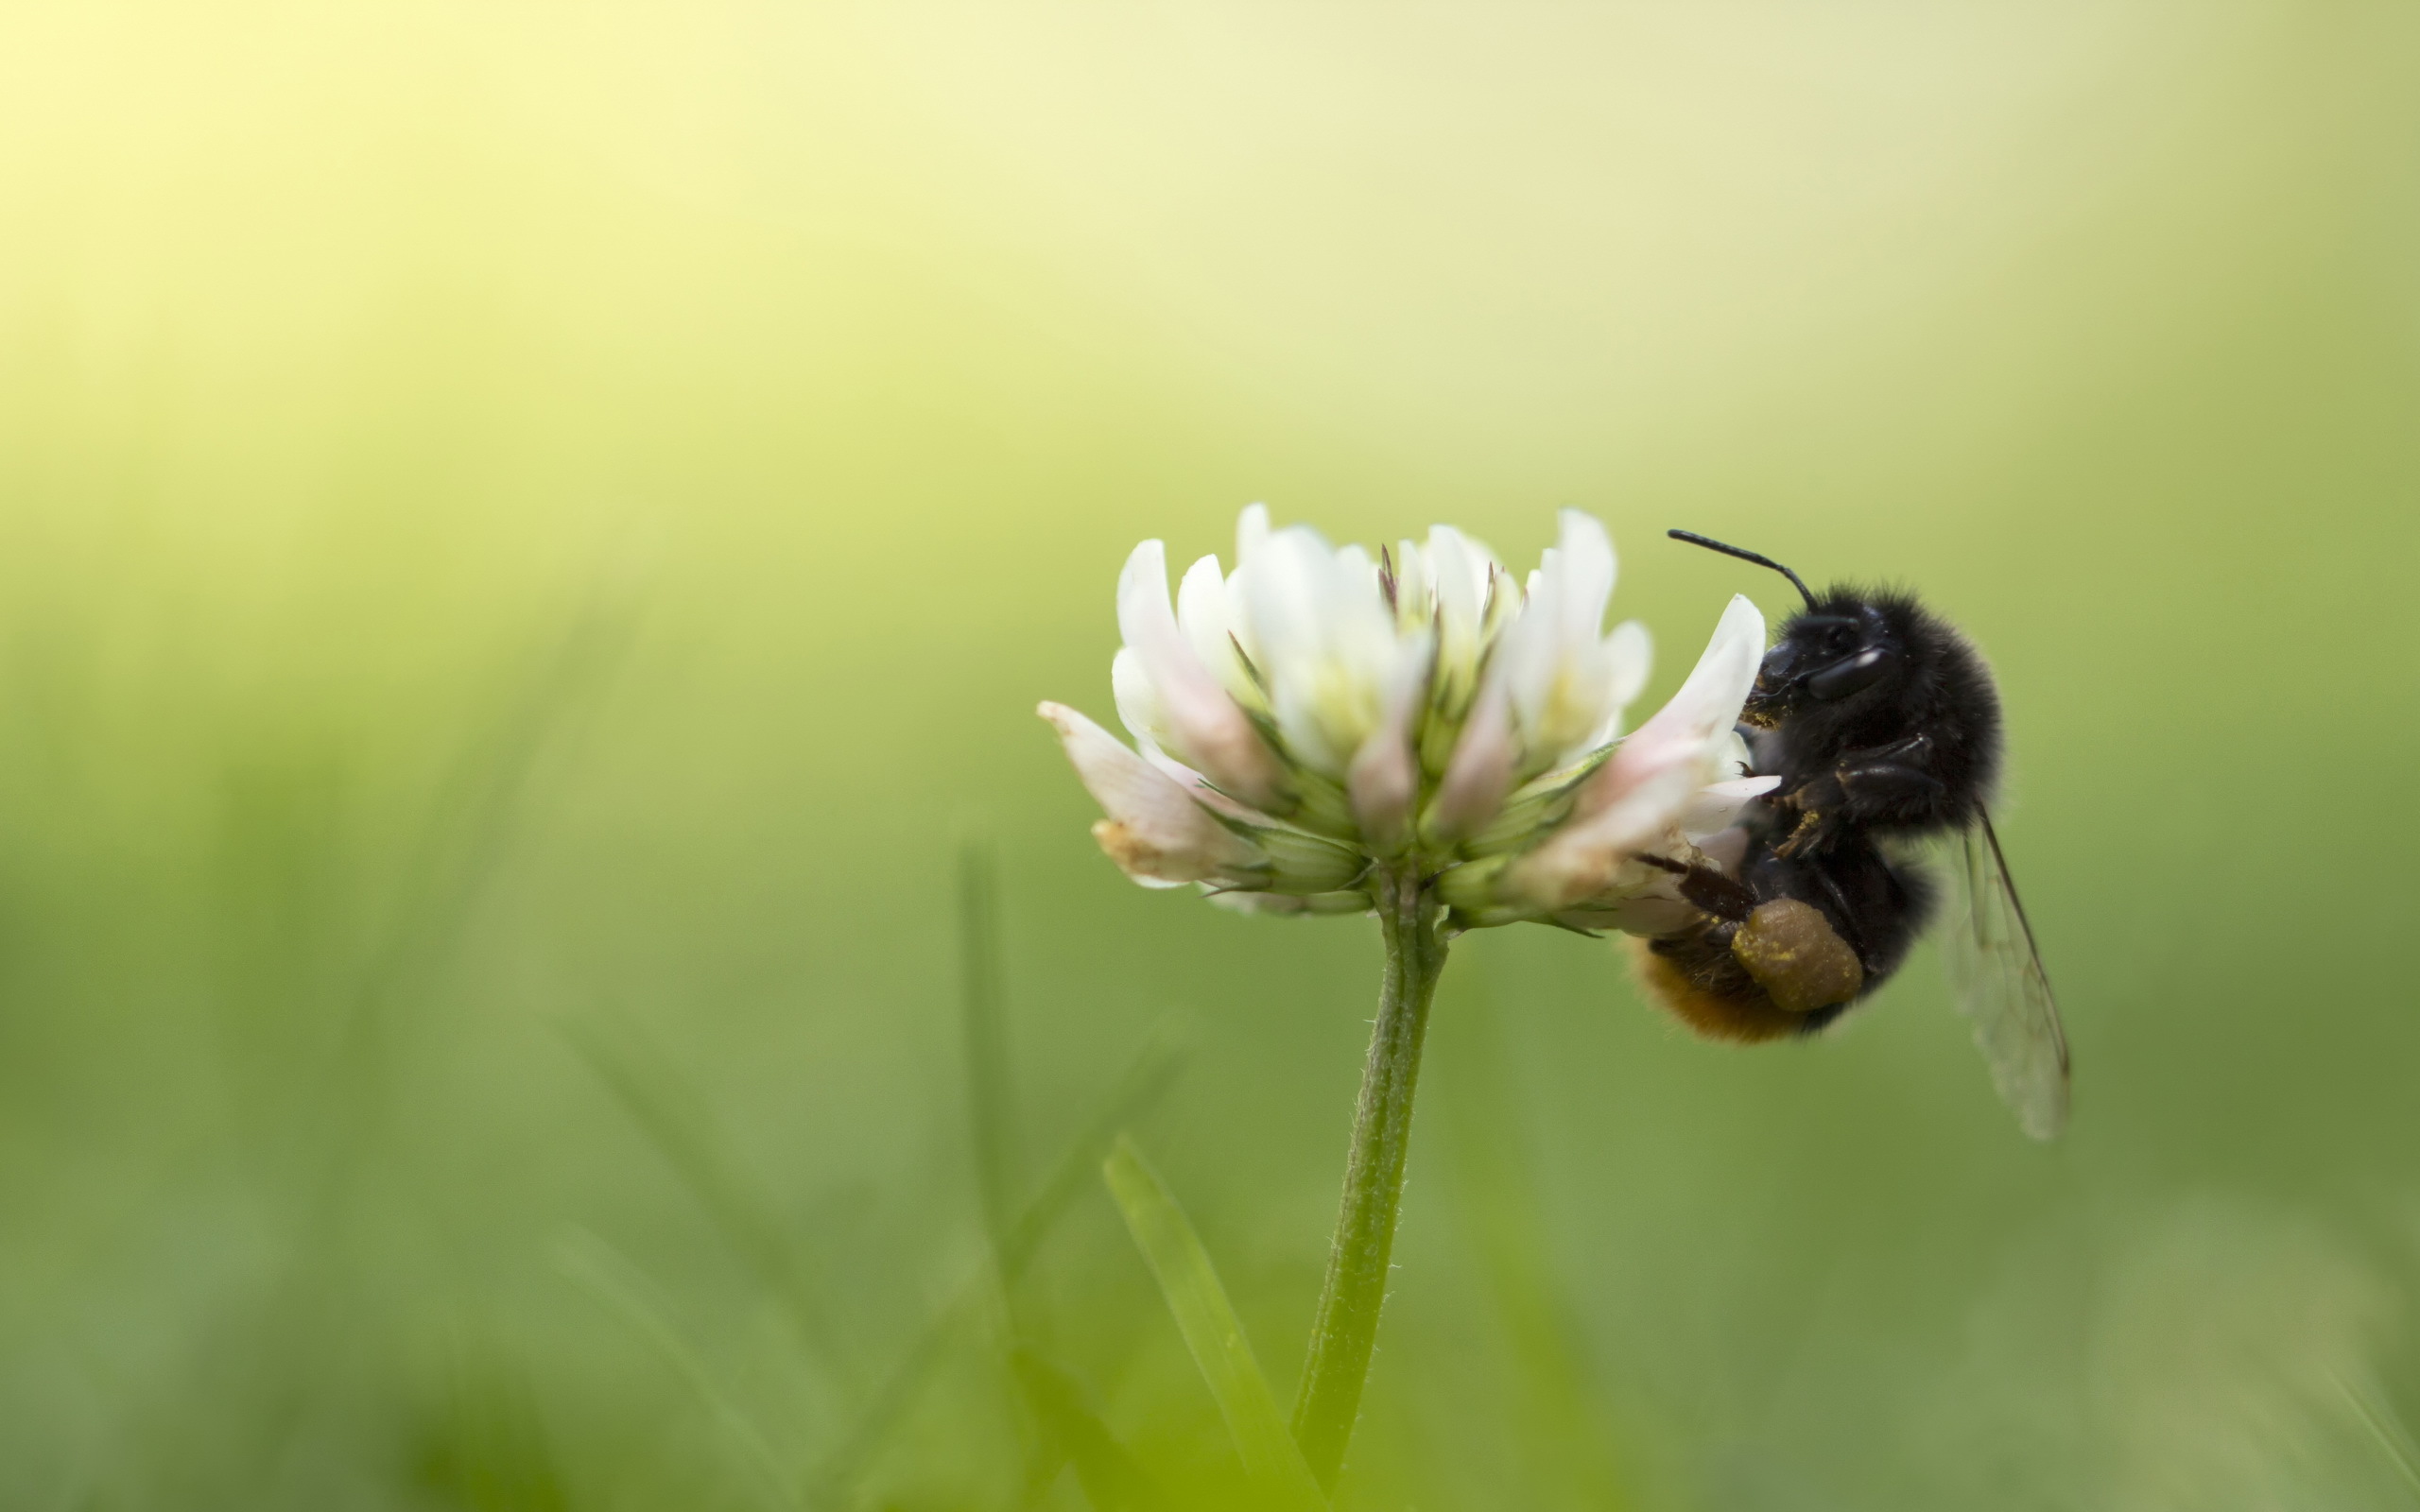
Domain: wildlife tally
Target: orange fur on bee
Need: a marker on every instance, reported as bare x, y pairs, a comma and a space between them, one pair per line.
1744, 1019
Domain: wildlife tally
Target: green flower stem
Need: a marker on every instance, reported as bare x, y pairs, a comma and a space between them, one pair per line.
1347, 1324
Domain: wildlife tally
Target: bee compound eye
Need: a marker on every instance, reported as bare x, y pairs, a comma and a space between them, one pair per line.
1856, 675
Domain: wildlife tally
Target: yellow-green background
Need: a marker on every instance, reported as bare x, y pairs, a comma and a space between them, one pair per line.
528, 532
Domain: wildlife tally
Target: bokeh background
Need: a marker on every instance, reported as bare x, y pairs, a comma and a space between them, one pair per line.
530, 535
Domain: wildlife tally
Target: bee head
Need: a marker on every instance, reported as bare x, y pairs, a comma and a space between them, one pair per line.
1841, 651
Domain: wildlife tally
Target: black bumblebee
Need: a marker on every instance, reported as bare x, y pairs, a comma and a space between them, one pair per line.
1883, 725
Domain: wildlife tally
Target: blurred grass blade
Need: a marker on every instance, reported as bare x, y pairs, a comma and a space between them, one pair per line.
991, 1126
1210, 1327
478, 808
1114, 1480
2394, 1439
464, 837
990, 1090
1144, 1082
675, 1120
490, 1450
606, 1274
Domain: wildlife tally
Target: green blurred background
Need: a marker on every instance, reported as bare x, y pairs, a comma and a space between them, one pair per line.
532, 533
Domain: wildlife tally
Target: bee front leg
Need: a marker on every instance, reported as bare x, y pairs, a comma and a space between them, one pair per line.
1883, 785
1707, 890
1888, 791
1890, 784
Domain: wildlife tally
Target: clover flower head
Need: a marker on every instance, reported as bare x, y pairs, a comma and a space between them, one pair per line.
1319, 710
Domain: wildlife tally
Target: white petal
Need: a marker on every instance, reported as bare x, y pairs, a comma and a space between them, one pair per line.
1138, 703
1629, 655
1281, 583
1415, 589
1154, 830
1251, 532
1458, 569
1704, 709
1203, 723
1502, 600
1725, 851
1727, 756
1713, 807
1529, 654
1555, 662
1143, 594
1360, 628
1586, 555
1325, 641
1279, 591
1203, 614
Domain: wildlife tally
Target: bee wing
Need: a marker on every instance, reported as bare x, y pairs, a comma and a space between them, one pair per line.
1995, 974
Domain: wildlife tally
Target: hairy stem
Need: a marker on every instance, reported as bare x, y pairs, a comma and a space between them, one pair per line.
1347, 1324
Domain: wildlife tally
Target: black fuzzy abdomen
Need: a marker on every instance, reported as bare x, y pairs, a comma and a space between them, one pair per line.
1878, 905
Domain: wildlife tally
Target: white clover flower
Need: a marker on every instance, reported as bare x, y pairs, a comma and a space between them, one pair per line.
1319, 715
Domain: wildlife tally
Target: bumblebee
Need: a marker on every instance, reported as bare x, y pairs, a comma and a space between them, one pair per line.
1883, 725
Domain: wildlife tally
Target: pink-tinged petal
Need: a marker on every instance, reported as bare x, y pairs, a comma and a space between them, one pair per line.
1203, 723
1198, 788
1704, 709
1579, 860
1648, 915
1480, 773
1157, 834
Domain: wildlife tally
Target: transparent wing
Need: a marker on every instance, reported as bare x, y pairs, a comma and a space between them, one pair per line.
1995, 974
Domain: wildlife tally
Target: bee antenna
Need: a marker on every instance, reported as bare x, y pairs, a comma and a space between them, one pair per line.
1712, 544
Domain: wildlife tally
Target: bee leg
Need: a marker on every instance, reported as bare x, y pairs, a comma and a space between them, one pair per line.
1708, 890
1864, 793
1913, 747
1886, 782
1874, 770
1808, 834
1847, 914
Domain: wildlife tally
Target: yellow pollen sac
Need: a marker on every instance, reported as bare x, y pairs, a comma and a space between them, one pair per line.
1795, 954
